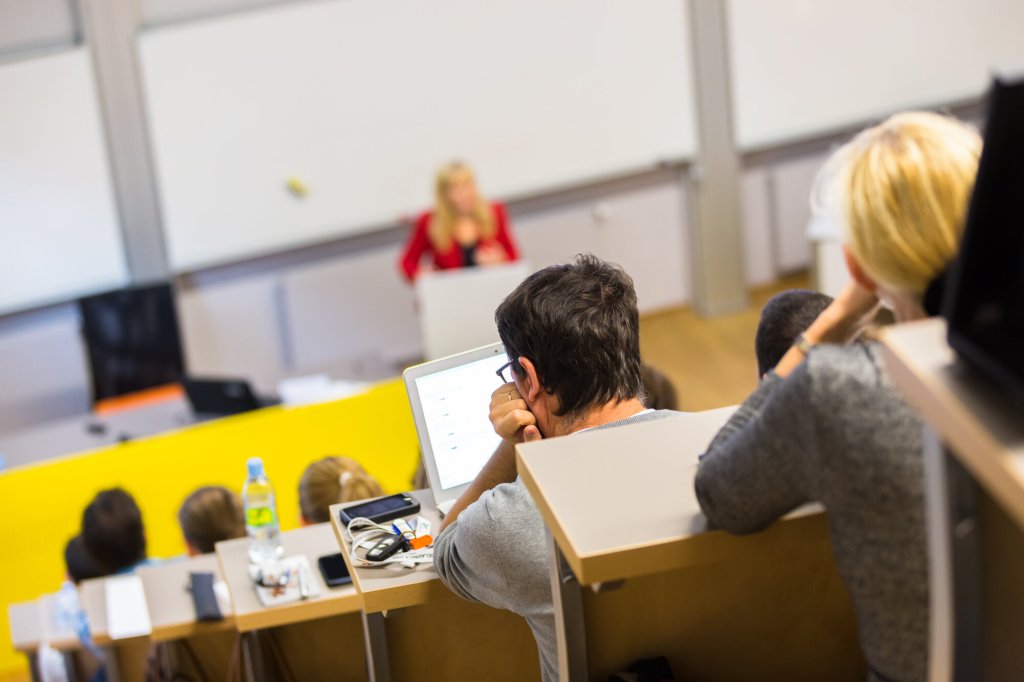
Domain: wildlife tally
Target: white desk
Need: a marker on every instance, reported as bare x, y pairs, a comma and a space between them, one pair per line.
620, 505
36, 623
974, 485
413, 623
316, 637
125, 658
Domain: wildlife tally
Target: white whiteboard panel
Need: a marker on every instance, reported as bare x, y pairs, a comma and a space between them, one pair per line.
362, 99
59, 234
806, 67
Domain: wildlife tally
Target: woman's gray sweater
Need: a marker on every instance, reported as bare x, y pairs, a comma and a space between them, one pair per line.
836, 432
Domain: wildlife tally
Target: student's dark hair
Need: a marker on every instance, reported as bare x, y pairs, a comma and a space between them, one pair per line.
784, 317
578, 324
112, 530
209, 515
659, 391
79, 563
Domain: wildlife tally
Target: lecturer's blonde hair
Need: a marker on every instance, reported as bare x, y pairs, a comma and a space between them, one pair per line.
442, 222
901, 189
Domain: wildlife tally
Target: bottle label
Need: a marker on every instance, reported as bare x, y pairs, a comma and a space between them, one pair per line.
258, 517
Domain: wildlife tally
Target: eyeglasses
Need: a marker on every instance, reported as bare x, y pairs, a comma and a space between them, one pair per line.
501, 372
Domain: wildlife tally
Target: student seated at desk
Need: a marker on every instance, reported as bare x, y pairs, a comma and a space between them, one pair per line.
826, 425
113, 532
464, 229
79, 563
208, 516
784, 318
572, 333
332, 480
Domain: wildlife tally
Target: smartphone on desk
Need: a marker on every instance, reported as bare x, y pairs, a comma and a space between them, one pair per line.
382, 509
334, 570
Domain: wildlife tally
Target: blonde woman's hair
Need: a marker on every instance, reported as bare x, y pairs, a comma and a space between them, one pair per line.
332, 480
209, 515
900, 191
442, 222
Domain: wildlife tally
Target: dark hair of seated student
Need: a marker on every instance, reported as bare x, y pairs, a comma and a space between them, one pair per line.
112, 531
784, 317
659, 392
79, 563
579, 325
210, 515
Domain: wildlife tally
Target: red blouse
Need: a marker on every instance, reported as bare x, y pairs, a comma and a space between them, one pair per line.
419, 243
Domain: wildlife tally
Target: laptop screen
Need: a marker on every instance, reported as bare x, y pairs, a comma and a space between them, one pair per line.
455, 404
985, 303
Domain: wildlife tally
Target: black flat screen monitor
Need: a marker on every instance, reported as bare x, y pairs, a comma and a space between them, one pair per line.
132, 340
984, 304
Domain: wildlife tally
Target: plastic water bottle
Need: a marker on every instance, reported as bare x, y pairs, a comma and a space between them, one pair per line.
261, 523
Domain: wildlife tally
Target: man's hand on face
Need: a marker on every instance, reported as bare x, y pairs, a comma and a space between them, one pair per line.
511, 417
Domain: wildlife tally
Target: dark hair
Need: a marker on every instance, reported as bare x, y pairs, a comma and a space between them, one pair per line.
79, 563
112, 530
211, 514
659, 391
784, 317
578, 324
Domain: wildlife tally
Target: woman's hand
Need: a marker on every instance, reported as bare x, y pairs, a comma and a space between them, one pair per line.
840, 323
490, 254
511, 417
846, 317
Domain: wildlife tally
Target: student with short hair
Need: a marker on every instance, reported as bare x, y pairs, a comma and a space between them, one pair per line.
113, 533
826, 424
784, 318
210, 515
79, 563
572, 334
333, 480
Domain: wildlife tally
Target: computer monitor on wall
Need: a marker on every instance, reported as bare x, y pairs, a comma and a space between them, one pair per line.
132, 340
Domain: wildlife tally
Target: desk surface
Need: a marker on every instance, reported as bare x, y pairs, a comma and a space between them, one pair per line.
72, 435
170, 605
974, 417
620, 502
26, 623
92, 595
392, 586
250, 614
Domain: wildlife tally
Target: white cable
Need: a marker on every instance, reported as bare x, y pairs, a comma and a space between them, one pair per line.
376, 532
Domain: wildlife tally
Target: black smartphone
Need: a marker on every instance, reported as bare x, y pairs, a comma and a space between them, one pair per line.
334, 570
382, 509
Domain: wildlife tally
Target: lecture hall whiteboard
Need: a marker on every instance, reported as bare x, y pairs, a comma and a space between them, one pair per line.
802, 68
361, 100
59, 231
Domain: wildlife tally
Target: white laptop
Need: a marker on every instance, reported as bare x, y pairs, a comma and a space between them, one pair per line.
456, 307
450, 401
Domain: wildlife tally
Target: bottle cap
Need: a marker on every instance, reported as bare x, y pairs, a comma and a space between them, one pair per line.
255, 465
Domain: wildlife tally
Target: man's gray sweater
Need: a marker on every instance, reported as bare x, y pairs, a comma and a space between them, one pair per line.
495, 553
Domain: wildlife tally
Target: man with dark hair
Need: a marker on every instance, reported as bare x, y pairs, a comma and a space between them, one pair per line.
112, 531
783, 319
572, 336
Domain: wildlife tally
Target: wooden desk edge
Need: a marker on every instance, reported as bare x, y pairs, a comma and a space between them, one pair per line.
668, 554
402, 596
572, 556
339, 535
170, 633
323, 606
930, 398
